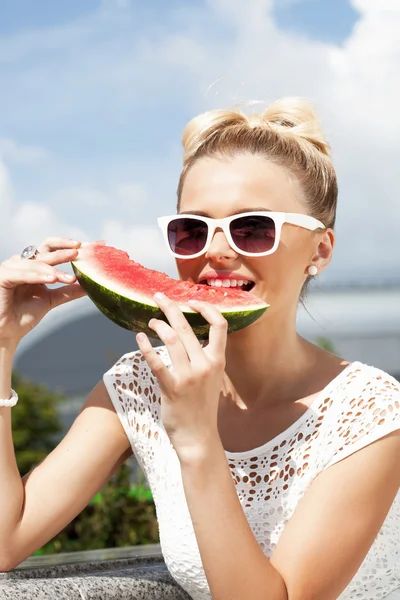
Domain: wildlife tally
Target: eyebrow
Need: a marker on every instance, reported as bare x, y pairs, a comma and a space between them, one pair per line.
201, 213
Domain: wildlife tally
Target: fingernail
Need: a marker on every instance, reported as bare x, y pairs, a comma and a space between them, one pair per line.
141, 337
193, 302
159, 296
70, 277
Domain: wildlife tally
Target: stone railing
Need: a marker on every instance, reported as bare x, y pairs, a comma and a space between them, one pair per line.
134, 573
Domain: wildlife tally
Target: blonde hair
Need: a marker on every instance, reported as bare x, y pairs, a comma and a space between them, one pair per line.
288, 132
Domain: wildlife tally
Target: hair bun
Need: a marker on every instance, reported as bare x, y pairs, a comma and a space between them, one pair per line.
288, 116
205, 125
297, 116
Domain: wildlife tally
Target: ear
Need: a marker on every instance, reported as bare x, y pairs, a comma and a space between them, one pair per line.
322, 255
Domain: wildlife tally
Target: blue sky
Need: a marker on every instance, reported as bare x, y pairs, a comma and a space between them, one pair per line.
328, 20
94, 95
325, 20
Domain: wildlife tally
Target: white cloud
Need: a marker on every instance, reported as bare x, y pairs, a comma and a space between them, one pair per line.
6, 193
285, 3
77, 198
131, 197
378, 8
37, 221
10, 150
126, 201
25, 223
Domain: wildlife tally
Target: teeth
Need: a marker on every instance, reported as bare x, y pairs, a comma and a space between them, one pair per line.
227, 282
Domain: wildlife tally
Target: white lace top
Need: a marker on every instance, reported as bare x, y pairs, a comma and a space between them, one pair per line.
359, 406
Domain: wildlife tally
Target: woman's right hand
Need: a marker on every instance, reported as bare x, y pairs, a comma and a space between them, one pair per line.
24, 297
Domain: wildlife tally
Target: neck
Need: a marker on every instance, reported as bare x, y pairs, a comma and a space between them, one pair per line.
265, 361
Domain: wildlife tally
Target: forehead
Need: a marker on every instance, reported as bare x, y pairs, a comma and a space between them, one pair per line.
223, 186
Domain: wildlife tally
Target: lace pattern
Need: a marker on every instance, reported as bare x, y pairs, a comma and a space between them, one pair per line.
358, 407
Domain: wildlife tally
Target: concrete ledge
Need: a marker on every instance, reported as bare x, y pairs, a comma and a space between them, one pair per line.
136, 573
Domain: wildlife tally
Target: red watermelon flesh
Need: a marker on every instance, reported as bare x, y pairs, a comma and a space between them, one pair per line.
115, 266
123, 290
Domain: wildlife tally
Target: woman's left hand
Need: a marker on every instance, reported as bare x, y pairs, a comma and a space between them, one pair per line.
191, 389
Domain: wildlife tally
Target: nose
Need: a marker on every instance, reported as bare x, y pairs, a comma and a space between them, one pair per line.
220, 249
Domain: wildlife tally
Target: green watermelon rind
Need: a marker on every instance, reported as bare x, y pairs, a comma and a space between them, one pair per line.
134, 315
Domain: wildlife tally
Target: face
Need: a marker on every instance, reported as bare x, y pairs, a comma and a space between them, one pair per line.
219, 188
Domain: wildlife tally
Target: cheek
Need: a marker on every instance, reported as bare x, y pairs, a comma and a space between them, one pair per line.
283, 271
188, 269
294, 250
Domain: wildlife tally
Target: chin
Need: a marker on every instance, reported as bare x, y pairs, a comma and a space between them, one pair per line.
260, 293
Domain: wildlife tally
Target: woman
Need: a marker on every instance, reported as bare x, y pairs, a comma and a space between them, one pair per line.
273, 463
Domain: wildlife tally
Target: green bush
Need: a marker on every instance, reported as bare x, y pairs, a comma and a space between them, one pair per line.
35, 422
119, 515
326, 344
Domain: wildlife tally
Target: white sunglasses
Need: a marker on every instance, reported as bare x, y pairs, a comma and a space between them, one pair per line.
249, 233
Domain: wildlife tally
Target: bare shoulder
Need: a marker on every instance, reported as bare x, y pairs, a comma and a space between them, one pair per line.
337, 520
327, 366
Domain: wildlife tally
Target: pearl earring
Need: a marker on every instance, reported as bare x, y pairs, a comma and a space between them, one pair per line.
312, 270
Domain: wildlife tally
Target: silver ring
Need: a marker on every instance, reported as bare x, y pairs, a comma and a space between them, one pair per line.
29, 253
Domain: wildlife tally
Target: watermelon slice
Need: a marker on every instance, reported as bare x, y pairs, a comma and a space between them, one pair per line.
123, 290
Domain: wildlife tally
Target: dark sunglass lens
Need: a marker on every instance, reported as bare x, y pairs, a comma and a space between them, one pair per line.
253, 234
187, 236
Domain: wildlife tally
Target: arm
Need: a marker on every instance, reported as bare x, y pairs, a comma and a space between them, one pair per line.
34, 509
323, 544
234, 564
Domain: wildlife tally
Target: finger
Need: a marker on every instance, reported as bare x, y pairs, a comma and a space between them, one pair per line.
179, 323
155, 363
175, 347
65, 294
56, 243
63, 255
13, 274
10, 278
39, 266
58, 257
218, 328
